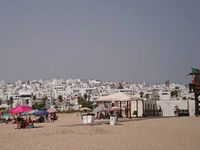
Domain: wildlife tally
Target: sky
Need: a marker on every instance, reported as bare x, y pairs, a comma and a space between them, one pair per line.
110, 40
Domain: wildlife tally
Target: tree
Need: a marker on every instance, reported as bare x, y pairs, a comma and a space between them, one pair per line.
177, 87
174, 93
184, 98
56, 106
10, 101
147, 96
120, 86
84, 103
80, 100
141, 94
60, 98
89, 97
85, 96
34, 97
44, 100
27, 101
54, 102
38, 105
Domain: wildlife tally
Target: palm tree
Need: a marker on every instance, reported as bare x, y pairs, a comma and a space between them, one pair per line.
10, 101
120, 86
141, 94
27, 101
85, 96
34, 97
174, 93
147, 96
44, 100
60, 98
1, 101
89, 97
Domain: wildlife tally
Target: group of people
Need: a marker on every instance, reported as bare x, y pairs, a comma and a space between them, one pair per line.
102, 115
107, 112
29, 123
51, 117
47, 118
106, 115
24, 123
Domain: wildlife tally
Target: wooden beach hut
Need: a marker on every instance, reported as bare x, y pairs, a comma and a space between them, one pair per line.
122, 97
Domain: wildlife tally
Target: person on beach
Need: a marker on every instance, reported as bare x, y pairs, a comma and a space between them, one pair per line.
51, 117
22, 123
6, 120
30, 123
18, 122
47, 118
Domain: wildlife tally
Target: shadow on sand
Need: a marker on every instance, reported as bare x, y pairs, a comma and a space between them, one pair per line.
35, 127
119, 122
103, 122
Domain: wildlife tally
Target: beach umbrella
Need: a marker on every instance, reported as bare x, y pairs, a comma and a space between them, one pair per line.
51, 110
6, 115
85, 109
20, 109
28, 113
41, 112
100, 109
117, 97
114, 108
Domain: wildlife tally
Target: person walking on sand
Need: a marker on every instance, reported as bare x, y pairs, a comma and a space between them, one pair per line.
51, 116
19, 122
47, 118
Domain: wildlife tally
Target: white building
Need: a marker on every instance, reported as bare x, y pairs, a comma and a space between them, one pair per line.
165, 95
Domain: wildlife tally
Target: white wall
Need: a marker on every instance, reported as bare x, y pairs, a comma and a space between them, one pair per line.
134, 108
168, 107
191, 107
165, 95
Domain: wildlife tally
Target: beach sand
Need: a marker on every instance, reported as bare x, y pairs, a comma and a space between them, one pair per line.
181, 133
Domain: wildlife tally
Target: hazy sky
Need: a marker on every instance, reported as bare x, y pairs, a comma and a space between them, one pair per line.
129, 40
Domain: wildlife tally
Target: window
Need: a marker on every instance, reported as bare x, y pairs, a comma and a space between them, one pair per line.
165, 94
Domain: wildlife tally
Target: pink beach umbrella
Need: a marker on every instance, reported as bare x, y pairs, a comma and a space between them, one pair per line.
51, 110
20, 109
114, 108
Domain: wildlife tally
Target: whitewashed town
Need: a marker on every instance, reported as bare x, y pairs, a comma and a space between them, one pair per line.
150, 100
100, 75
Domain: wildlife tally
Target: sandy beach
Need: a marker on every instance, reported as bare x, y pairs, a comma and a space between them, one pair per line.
182, 133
